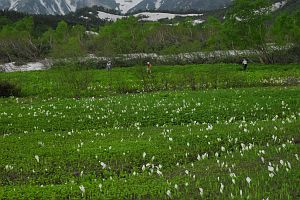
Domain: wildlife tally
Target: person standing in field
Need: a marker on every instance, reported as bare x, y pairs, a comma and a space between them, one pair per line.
245, 64
149, 66
108, 65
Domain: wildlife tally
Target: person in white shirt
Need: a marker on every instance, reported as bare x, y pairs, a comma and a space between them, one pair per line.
245, 64
108, 65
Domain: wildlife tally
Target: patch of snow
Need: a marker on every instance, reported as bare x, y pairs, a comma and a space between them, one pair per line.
149, 16
91, 33
278, 5
158, 4
108, 16
71, 6
53, 9
198, 21
238, 19
13, 4
144, 16
32, 66
43, 4
191, 15
58, 3
126, 5
83, 17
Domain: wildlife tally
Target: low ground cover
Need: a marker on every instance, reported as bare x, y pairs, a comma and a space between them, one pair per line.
213, 143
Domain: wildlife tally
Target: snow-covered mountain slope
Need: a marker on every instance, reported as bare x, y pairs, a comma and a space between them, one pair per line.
125, 5
156, 16
53, 7
63, 7
181, 5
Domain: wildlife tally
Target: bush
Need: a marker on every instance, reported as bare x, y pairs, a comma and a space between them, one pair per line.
75, 79
291, 55
8, 89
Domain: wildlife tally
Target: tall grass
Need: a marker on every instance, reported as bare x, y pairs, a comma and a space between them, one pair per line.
84, 81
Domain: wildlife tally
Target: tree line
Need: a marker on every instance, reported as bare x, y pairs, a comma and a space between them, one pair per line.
248, 24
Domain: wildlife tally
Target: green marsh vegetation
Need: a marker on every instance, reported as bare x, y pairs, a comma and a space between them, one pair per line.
194, 131
237, 140
73, 80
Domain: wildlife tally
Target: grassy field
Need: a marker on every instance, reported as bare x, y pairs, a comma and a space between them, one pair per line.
72, 81
184, 132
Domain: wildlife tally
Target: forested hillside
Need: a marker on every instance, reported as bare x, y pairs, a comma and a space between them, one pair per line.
247, 25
